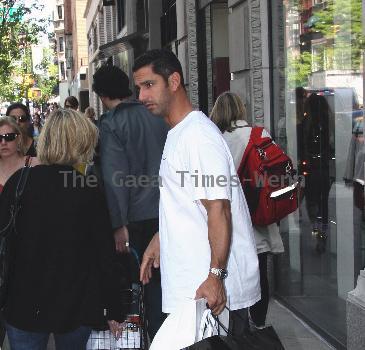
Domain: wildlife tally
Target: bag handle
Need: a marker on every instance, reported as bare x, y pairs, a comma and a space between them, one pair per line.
21, 183
208, 325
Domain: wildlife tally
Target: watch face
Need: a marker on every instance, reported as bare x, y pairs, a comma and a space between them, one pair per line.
224, 274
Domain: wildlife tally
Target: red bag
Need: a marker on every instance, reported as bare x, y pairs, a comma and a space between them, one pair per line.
267, 177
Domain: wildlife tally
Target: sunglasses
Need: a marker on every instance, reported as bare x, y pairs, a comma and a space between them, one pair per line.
20, 119
9, 137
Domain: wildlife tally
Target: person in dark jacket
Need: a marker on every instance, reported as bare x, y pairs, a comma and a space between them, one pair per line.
64, 275
131, 145
20, 113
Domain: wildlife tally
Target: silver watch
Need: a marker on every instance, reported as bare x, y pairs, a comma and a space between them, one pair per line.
220, 273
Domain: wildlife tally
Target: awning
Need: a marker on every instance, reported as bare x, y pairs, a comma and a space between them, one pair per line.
127, 42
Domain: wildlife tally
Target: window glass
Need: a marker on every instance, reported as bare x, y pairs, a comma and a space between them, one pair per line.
318, 120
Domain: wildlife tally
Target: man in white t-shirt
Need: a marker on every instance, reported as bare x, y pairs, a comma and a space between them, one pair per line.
205, 240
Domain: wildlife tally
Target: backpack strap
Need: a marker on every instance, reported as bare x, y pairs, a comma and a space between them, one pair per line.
256, 134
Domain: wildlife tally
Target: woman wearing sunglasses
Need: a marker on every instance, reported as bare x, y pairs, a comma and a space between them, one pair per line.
12, 150
20, 113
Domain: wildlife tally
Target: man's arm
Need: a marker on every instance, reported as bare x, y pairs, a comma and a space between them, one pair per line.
151, 258
219, 235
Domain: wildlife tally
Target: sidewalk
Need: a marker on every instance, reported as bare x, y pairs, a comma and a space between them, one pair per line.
293, 333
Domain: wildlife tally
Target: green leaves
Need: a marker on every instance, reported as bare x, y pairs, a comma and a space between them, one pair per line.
18, 31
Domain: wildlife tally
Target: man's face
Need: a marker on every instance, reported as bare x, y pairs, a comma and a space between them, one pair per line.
154, 93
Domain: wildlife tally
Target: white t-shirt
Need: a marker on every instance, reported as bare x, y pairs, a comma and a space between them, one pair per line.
194, 148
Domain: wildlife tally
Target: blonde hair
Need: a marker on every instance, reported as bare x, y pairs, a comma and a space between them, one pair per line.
227, 109
67, 138
9, 121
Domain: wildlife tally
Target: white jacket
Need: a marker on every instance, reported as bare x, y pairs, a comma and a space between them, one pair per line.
268, 238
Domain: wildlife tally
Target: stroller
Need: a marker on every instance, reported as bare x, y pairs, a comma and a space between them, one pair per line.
133, 334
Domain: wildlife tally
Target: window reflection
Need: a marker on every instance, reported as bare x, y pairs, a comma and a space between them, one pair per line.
320, 83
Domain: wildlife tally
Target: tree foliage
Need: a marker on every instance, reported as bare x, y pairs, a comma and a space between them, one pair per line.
18, 31
339, 23
47, 81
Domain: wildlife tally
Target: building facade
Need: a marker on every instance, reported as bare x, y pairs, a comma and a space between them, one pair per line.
298, 66
59, 30
76, 51
117, 31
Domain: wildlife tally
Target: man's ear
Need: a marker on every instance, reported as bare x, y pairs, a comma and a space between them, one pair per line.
174, 81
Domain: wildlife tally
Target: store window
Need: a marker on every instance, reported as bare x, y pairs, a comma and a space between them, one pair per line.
61, 44
62, 70
213, 52
142, 15
60, 11
121, 14
317, 89
168, 23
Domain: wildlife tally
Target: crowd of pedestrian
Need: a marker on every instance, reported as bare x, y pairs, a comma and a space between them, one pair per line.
192, 240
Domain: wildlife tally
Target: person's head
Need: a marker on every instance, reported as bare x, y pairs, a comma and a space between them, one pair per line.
37, 120
227, 110
316, 108
90, 113
158, 76
71, 102
20, 113
300, 93
111, 83
67, 138
11, 140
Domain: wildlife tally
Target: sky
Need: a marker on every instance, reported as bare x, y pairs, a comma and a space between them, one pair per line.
46, 12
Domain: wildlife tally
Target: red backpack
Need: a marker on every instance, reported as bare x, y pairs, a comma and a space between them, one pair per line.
267, 177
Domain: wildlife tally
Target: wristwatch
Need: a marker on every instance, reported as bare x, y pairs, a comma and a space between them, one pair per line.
220, 273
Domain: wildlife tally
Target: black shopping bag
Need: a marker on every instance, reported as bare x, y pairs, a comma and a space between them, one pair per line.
262, 339
217, 342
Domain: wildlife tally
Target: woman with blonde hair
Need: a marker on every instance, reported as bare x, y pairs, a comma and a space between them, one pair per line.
12, 150
229, 114
64, 278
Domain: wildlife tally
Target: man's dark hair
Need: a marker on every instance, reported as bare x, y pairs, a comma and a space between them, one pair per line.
163, 62
16, 106
110, 81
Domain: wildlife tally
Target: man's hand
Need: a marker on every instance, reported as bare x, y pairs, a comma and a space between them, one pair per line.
212, 289
151, 258
121, 237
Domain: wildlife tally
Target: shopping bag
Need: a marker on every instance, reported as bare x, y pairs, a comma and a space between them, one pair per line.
218, 342
190, 323
261, 339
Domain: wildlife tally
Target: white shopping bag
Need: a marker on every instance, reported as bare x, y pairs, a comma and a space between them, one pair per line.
190, 323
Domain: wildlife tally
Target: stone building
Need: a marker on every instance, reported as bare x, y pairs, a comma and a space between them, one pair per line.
76, 51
